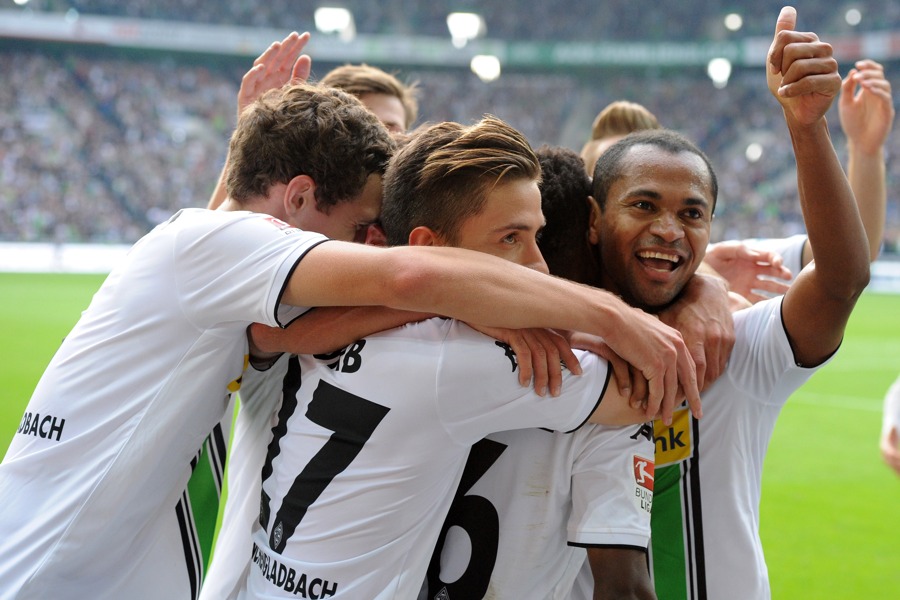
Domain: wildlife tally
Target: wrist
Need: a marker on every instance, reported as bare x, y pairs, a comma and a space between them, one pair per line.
865, 152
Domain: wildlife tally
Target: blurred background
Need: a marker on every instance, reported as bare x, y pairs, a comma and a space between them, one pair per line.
116, 114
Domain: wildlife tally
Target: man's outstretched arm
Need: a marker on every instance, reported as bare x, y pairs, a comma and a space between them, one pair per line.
802, 75
866, 110
479, 288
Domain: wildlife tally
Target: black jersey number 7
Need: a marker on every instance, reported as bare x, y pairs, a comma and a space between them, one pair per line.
352, 419
478, 517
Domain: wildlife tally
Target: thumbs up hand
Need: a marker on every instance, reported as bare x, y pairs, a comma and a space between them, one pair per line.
801, 71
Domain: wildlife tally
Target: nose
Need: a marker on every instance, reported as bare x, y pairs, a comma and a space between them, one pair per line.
535, 260
667, 226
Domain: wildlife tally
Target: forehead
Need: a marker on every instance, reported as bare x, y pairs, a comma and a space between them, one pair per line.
366, 206
389, 110
513, 203
647, 164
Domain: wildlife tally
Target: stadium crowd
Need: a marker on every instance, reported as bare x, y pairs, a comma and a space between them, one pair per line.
101, 149
618, 19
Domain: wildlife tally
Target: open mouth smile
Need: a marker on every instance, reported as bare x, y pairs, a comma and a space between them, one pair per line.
660, 261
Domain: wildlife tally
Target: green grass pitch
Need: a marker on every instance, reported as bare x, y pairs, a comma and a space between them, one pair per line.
830, 518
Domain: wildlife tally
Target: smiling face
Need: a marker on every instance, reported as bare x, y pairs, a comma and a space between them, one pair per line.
655, 225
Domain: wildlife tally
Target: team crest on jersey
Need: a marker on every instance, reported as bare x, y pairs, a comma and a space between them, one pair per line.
276, 535
643, 481
674, 443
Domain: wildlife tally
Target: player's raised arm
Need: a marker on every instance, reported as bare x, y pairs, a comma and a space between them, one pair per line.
866, 110
478, 288
803, 76
281, 63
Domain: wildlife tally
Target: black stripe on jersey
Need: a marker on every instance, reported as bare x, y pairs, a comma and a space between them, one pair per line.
189, 544
289, 387
218, 451
698, 512
693, 516
287, 280
643, 549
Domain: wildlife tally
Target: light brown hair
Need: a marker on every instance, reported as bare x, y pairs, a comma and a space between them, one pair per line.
618, 119
443, 175
364, 79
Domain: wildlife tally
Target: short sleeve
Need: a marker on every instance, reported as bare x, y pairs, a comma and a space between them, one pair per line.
237, 268
478, 391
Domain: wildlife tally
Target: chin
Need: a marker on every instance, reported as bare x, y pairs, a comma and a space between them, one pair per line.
654, 300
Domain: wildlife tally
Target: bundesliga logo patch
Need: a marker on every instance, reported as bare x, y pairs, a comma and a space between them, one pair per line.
643, 472
644, 469
277, 222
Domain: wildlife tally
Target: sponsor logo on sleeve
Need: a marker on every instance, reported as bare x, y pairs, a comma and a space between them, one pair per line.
643, 481
673, 444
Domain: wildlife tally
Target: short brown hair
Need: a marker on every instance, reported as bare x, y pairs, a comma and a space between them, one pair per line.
443, 175
303, 129
364, 79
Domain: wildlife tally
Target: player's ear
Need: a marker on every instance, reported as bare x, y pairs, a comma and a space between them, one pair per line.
423, 236
593, 221
299, 196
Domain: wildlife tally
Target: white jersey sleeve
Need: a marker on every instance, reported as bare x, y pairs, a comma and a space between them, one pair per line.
207, 271
612, 488
482, 413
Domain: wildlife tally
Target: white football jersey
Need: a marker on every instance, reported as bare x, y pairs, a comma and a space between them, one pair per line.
368, 451
260, 397
531, 500
705, 521
89, 485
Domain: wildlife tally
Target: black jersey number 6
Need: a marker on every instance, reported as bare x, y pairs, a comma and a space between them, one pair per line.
479, 519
